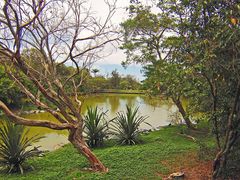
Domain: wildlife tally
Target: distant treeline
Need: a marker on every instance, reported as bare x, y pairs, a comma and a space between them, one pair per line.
92, 82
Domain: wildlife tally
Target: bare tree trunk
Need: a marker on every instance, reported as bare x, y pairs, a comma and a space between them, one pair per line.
179, 105
76, 138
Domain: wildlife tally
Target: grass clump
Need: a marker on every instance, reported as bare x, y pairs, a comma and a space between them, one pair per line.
126, 126
95, 126
16, 148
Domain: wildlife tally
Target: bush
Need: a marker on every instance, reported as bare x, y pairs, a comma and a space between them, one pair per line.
126, 126
205, 151
232, 168
16, 147
95, 127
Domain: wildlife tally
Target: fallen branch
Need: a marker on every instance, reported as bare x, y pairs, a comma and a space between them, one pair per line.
187, 136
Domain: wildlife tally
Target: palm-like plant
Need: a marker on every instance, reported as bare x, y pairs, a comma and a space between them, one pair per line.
16, 147
95, 126
126, 126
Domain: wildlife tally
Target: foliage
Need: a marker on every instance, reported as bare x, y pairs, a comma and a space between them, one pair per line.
197, 58
129, 83
232, 165
145, 42
205, 151
115, 79
16, 147
126, 126
9, 92
95, 126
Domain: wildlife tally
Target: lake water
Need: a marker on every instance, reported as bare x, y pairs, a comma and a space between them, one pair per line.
158, 110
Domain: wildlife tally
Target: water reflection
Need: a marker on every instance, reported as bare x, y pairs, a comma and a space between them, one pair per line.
158, 110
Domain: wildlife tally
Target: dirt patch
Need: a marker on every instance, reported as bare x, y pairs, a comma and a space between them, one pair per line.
189, 163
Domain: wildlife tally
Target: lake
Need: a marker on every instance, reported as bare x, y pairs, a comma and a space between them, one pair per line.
158, 110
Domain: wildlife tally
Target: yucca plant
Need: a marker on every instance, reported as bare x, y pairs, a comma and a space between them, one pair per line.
95, 126
16, 147
126, 126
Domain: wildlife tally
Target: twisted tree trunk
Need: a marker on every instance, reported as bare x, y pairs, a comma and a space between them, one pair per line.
75, 135
76, 138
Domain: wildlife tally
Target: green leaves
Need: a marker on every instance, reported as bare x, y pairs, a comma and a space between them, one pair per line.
95, 126
126, 126
16, 147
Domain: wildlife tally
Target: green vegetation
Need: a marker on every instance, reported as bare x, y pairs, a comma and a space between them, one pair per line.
142, 161
95, 126
16, 148
126, 126
9, 92
116, 82
189, 49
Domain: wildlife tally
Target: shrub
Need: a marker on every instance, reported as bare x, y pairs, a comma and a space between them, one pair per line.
126, 126
95, 127
16, 147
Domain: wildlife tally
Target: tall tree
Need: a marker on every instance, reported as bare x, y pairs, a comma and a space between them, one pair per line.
202, 48
95, 71
115, 79
62, 32
146, 42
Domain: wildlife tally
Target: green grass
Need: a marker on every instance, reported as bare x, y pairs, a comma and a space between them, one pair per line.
124, 162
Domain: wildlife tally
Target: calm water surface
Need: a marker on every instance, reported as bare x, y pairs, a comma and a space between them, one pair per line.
158, 110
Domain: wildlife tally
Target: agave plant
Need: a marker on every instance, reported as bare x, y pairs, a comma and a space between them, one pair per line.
95, 127
126, 126
16, 147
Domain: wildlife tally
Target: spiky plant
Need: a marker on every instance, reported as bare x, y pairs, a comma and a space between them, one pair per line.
16, 147
95, 127
126, 126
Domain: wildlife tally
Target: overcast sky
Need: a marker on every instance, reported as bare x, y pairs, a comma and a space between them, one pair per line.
108, 64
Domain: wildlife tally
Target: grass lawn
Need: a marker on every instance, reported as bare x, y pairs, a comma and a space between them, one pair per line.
144, 161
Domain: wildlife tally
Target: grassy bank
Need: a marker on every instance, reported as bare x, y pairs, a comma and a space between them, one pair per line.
145, 161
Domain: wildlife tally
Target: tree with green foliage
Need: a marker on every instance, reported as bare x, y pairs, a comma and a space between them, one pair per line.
95, 71
9, 92
129, 83
115, 79
192, 51
145, 42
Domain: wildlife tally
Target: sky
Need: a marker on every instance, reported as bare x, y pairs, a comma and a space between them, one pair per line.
113, 61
